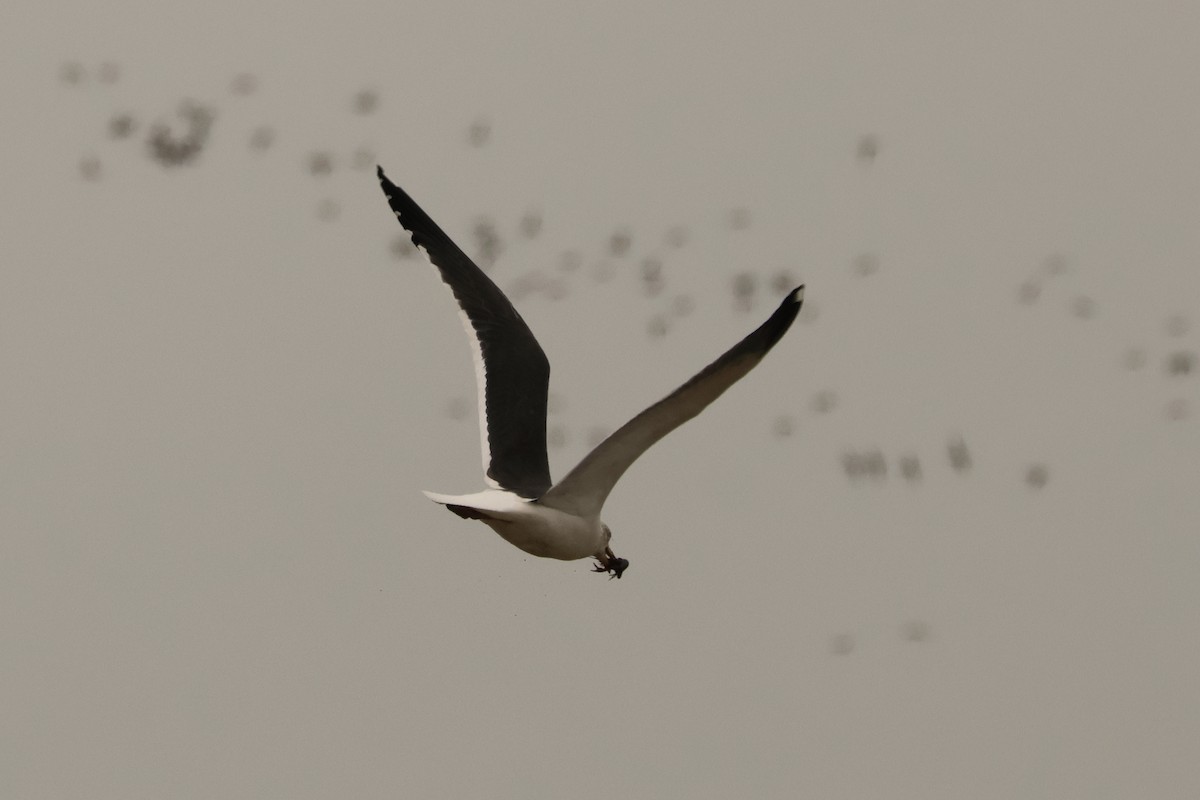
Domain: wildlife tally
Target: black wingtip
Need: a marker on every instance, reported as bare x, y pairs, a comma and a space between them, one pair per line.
774, 328
383, 179
789, 307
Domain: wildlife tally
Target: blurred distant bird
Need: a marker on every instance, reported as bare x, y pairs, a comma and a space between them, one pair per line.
553, 520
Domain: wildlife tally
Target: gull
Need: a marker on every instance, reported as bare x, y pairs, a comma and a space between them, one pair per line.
522, 504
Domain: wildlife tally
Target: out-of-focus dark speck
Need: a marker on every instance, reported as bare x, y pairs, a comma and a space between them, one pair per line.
328, 210
739, 218
783, 426
171, 150
71, 73
1178, 409
362, 158
109, 72
914, 630
867, 149
458, 408
841, 644
487, 242
243, 84
168, 150
619, 243
365, 101
479, 133
556, 437
960, 457
1036, 476
783, 282
652, 277
596, 434
865, 264
745, 284
262, 138
1182, 362
910, 468
1055, 264
402, 246
864, 464
530, 224
682, 305
1177, 325
1029, 291
657, 326
570, 261
1134, 359
320, 163
677, 236
89, 168
1083, 306
824, 401
121, 126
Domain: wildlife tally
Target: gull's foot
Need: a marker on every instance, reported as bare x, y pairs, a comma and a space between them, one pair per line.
615, 567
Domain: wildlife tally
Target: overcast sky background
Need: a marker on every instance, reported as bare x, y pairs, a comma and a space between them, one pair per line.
222, 389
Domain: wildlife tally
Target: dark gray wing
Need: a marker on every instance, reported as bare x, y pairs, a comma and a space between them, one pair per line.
512, 372
584, 490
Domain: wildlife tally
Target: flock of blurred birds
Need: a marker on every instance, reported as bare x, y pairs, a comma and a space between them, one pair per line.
179, 140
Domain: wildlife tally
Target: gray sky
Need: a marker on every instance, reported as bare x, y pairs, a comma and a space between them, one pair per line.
222, 392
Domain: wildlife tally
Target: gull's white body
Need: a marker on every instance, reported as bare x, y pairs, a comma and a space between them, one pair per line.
532, 526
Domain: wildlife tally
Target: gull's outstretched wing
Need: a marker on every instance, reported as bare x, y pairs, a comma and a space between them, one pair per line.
511, 370
585, 488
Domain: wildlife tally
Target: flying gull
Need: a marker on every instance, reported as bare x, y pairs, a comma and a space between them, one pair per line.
553, 520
